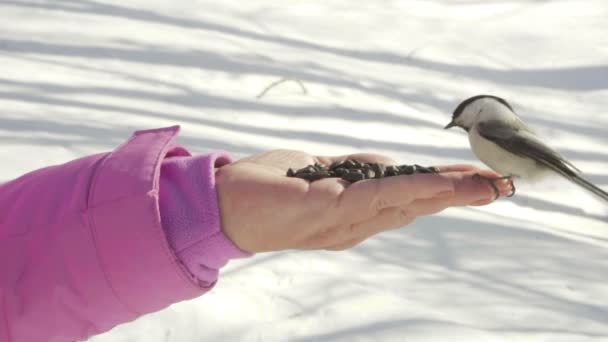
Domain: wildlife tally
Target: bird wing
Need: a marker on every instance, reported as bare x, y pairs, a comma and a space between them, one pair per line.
522, 142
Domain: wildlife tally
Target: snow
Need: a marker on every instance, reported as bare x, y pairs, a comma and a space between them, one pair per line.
78, 77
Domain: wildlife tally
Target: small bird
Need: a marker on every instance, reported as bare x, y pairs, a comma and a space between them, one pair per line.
502, 141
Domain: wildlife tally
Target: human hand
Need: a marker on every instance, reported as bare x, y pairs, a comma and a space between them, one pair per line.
263, 210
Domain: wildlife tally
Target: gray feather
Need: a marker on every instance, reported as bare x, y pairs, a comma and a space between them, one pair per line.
589, 186
519, 140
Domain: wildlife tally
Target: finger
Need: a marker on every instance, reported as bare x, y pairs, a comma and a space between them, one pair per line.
390, 218
363, 157
397, 217
457, 168
425, 207
468, 191
504, 186
471, 191
345, 234
365, 199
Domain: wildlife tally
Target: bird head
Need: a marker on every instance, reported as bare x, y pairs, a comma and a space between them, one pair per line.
468, 111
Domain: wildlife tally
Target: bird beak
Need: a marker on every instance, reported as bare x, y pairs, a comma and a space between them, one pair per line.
450, 125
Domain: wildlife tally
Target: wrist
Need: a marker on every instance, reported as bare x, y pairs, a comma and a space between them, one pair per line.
190, 214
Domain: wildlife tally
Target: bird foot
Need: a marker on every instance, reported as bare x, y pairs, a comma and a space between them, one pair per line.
492, 181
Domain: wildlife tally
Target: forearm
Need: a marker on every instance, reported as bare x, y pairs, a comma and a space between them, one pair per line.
83, 247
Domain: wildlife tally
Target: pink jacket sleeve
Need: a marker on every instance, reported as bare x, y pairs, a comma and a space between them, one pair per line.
82, 247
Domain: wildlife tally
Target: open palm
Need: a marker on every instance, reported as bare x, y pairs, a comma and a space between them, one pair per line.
263, 210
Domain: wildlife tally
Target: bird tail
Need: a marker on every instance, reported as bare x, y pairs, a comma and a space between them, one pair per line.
589, 186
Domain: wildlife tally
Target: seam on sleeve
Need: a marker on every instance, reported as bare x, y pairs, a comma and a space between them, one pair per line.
90, 222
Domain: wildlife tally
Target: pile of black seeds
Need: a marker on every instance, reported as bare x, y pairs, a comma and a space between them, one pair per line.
353, 171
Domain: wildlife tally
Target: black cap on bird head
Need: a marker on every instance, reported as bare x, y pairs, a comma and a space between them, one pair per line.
460, 108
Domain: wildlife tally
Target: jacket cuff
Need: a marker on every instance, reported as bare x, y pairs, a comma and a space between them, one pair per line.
190, 215
124, 217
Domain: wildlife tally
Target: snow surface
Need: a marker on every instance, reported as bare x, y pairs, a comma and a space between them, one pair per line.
77, 76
